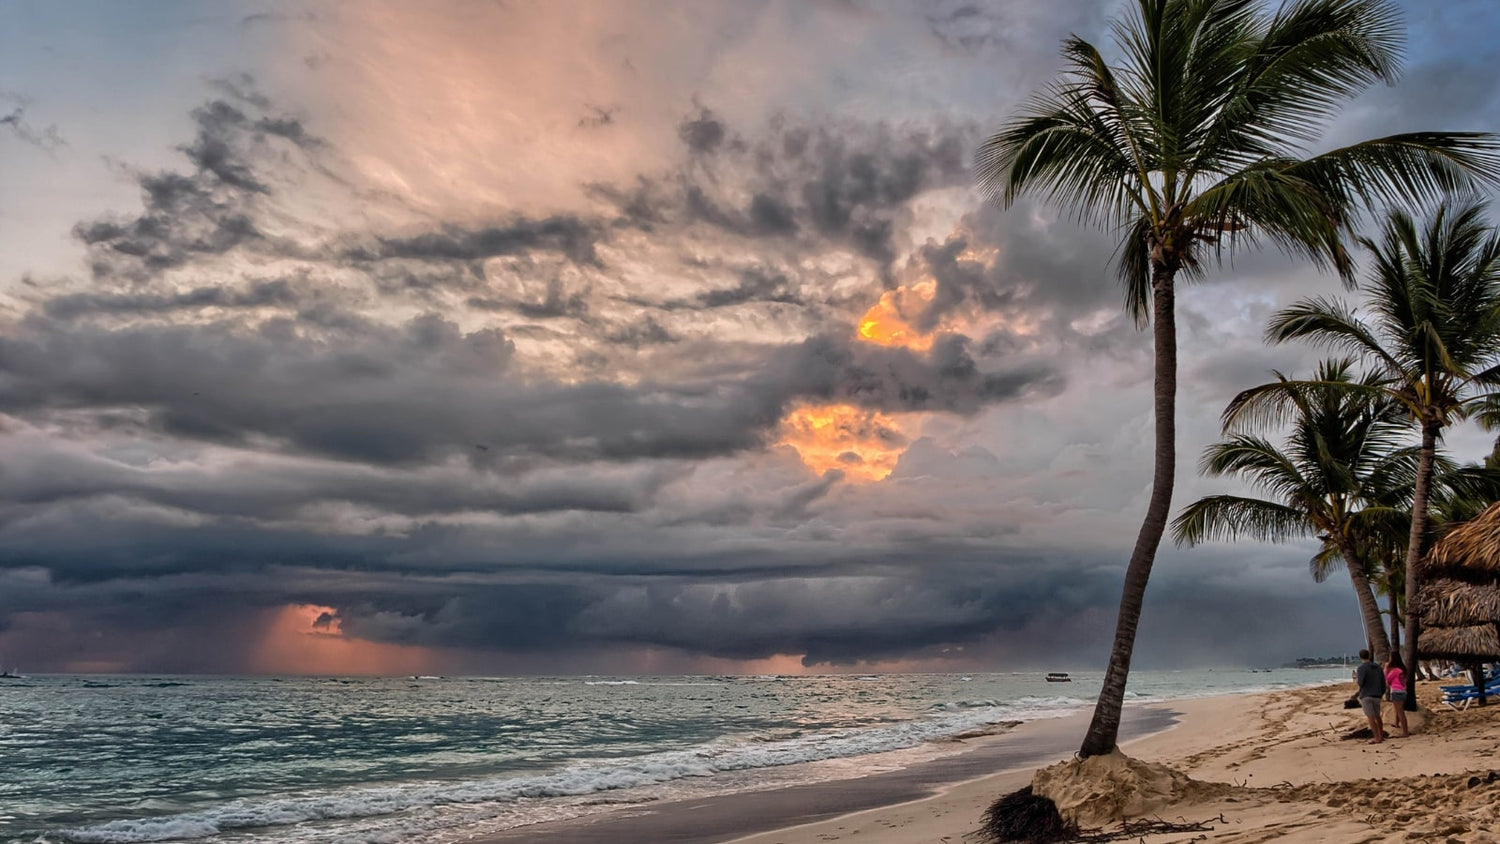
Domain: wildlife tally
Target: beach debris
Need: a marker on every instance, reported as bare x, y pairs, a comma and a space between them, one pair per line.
1023, 816
1099, 798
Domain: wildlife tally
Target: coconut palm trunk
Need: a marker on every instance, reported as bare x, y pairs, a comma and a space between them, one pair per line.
1104, 727
1369, 608
1396, 629
1419, 518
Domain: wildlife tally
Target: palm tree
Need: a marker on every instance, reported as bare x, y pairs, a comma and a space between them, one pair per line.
1193, 146
1383, 527
1434, 298
1340, 443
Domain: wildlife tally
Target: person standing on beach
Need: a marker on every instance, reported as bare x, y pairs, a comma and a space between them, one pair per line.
1371, 684
1395, 680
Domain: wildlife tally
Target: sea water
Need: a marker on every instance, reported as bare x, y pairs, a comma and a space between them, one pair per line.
141, 759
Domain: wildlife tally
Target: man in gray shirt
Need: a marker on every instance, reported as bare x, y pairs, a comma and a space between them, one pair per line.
1371, 682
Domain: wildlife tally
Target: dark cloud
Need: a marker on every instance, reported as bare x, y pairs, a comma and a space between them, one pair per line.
894, 379
646, 332
46, 139
597, 118
278, 293
1029, 608
425, 451
756, 284
571, 236
840, 184
207, 211
703, 133
368, 392
962, 282
557, 302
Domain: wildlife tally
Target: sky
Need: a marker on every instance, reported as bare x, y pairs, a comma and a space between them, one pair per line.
603, 337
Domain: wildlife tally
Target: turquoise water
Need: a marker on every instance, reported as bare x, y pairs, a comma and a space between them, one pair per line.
135, 759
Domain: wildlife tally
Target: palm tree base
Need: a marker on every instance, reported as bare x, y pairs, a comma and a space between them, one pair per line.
1077, 798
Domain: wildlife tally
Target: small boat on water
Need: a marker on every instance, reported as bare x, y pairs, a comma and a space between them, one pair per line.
1059, 677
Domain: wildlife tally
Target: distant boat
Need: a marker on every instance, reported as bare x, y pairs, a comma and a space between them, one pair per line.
1059, 677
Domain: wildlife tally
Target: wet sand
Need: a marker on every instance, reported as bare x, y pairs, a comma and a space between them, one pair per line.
723, 818
1276, 767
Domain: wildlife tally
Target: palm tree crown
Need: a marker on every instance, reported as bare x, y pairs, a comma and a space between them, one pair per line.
1192, 146
1195, 142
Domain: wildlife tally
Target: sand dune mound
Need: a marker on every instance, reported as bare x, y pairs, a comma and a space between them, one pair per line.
1102, 790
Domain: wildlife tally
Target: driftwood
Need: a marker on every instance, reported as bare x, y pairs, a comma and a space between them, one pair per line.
1141, 828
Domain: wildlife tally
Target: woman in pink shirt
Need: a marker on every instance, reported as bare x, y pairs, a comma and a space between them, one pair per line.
1395, 680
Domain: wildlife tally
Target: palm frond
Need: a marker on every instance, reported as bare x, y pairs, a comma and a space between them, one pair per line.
1406, 168
1309, 58
1329, 323
1263, 200
1134, 269
1226, 517
1073, 144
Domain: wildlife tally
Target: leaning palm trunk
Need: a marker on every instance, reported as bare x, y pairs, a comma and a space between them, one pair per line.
1396, 630
1368, 607
1414, 544
1104, 728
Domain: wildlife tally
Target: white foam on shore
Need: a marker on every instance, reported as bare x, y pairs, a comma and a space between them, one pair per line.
581, 779
395, 812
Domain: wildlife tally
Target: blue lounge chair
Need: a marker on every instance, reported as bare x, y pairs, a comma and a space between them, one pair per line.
1460, 697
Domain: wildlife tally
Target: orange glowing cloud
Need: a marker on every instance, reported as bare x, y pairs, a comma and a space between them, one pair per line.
863, 444
309, 639
888, 321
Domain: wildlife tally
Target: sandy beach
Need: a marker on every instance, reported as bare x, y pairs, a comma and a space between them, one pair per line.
1275, 767
1286, 774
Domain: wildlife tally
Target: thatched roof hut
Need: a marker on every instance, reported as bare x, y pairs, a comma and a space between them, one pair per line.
1458, 604
1470, 550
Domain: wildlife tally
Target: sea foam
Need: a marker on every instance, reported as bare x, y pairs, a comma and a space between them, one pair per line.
726, 755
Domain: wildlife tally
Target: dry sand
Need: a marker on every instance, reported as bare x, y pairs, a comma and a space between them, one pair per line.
1271, 767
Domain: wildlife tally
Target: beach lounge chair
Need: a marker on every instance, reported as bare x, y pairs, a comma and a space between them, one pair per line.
1460, 697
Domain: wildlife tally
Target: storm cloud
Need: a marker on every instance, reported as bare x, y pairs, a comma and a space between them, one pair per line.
695, 350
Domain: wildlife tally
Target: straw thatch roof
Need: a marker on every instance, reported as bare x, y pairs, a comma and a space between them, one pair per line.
1459, 605
1453, 603
1472, 548
1461, 643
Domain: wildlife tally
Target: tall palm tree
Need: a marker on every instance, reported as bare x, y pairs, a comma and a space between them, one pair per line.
1434, 300
1340, 444
1192, 147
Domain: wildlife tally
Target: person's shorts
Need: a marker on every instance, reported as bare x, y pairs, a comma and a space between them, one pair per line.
1371, 706
1398, 697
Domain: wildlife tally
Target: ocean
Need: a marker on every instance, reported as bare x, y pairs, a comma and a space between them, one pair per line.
143, 759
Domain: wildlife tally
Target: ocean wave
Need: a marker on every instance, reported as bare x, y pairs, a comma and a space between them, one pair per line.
727, 755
